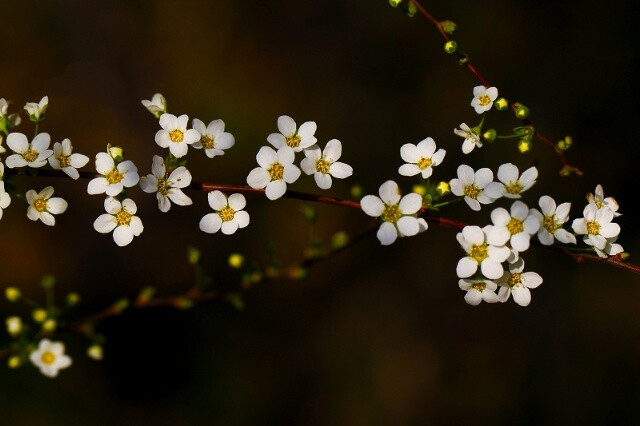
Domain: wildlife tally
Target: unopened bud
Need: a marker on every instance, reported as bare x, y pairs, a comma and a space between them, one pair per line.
12, 294
463, 59
489, 135
521, 111
419, 189
443, 188
193, 255
14, 325
524, 145
39, 315
339, 240
95, 352
49, 325
14, 362
448, 26
236, 260
72, 299
116, 152
356, 192
48, 281
450, 46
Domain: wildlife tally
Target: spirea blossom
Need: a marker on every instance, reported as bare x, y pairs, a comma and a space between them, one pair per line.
511, 184
36, 110
42, 206
596, 226
478, 290
600, 201
32, 154
64, 159
167, 188
295, 138
114, 178
5, 199
174, 134
551, 220
120, 219
213, 138
517, 283
275, 172
228, 216
515, 227
471, 185
156, 106
323, 164
50, 357
483, 98
480, 253
471, 139
420, 158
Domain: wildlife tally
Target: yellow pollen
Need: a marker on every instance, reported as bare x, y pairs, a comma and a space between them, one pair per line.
227, 213
276, 171
40, 204
114, 176
123, 217
391, 213
471, 191
514, 279
293, 141
514, 187
484, 100
48, 358
479, 286
207, 142
163, 187
479, 252
322, 166
176, 135
64, 161
30, 155
515, 226
550, 224
593, 227
424, 162
598, 202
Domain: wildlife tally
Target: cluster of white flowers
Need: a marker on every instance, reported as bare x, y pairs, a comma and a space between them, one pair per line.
596, 224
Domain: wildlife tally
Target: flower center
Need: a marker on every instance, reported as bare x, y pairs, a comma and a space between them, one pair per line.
276, 171
593, 227
424, 162
479, 252
48, 358
471, 191
40, 204
114, 176
207, 142
123, 217
322, 166
227, 213
549, 223
598, 202
391, 213
514, 187
514, 279
30, 155
484, 100
64, 161
480, 286
163, 187
293, 141
515, 226
176, 135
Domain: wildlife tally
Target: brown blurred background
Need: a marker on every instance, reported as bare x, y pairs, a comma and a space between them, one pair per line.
377, 335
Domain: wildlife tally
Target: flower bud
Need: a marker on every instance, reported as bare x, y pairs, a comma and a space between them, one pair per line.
409, 9
48, 281
157, 105
72, 299
565, 143
395, 3
443, 188
36, 111
463, 59
14, 325
501, 104
116, 152
489, 135
236, 260
521, 111
448, 26
356, 192
450, 46
49, 325
95, 352
14, 362
419, 189
193, 255
339, 240
12, 294
120, 305
524, 145
39, 315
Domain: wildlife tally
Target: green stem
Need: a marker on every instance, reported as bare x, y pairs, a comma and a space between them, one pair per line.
446, 203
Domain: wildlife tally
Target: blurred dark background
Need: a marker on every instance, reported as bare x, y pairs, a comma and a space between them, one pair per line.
377, 335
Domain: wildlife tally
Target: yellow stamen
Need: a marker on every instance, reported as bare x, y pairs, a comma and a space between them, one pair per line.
593, 228
480, 286
176, 135
514, 187
207, 142
515, 226
163, 187
48, 358
40, 204
472, 191
550, 224
293, 141
424, 162
514, 279
479, 252
484, 100
64, 161
391, 213
30, 155
322, 166
114, 176
227, 213
123, 217
276, 171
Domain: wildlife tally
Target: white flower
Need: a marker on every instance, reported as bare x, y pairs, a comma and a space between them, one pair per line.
42, 206
472, 186
167, 188
50, 357
174, 134
5, 198
599, 200
516, 228
483, 98
596, 226
471, 140
63, 159
14, 325
511, 184
157, 105
297, 139
551, 219
114, 178
275, 172
32, 154
478, 290
120, 219
518, 283
324, 164
36, 110
610, 249
397, 214
213, 138
473, 240
228, 215
421, 158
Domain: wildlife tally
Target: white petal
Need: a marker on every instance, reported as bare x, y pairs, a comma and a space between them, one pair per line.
275, 189
210, 223
286, 155
340, 170
97, 186
372, 205
242, 218
508, 173
546, 239
473, 297
291, 173
483, 177
547, 205
494, 190
129, 205
520, 241
498, 236
180, 177
56, 205
47, 218
307, 129
473, 234
286, 125
609, 230
180, 198
531, 279
163, 203
466, 267
258, 178
409, 153
229, 227
41, 142
157, 167
277, 140
529, 176
466, 174
123, 235
322, 180
333, 150
491, 269
521, 295
387, 234
389, 192
217, 200
519, 210
104, 163
409, 170
408, 226
564, 237
500, 216
18, 142
105, 223
531, 225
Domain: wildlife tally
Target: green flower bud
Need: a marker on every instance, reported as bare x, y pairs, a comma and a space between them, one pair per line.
521, 111
356, 192
145, 295
193, 255
95, 352
14, 362
524, 145
443, 188
410, 9
72, 299
236, 260
489, 135
48, 281
39, 315
450, 46
339, 240
309, 214
565, 144
116, 152
419, 189
395, 3
463, 59
12, 294
448, 26
501, 104
49, 325
120, 306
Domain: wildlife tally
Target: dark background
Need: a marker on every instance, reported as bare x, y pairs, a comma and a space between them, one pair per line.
377, 335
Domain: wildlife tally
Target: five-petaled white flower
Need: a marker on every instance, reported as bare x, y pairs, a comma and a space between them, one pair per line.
516, 228
114, 178
478, 290
36, 110
472, 185
63, 159
600, 201
43, 206
397, 215
50, 357
511, 184
275, 172
473, 240
228, 215
295, 138
483, 98
517, 283
32, 154
157, 105
213, 138
421, 158
5, 199
471, 140
324, 164
174, 134
120, 219
167, 188
596, 226
551, 220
